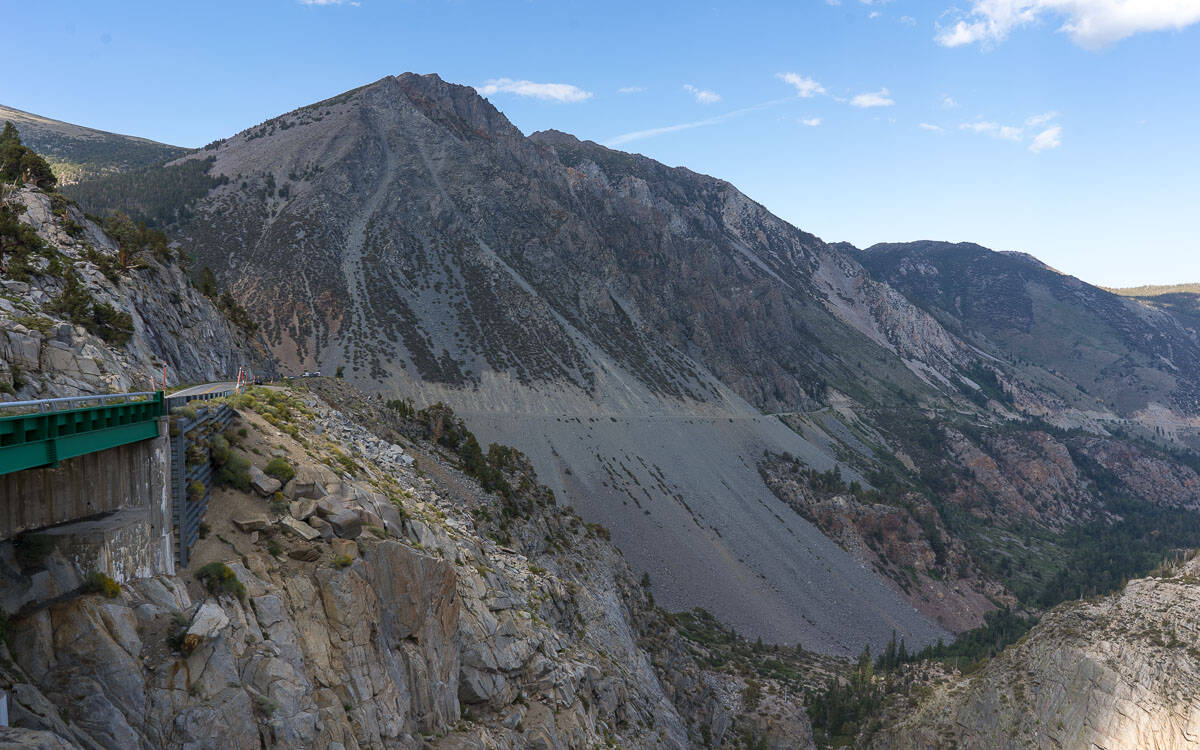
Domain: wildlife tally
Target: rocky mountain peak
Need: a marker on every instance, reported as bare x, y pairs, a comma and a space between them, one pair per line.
457, 107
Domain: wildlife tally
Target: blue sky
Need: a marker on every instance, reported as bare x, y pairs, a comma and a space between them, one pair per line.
1063, 128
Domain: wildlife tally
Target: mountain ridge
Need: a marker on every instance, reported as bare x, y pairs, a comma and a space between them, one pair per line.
655, 340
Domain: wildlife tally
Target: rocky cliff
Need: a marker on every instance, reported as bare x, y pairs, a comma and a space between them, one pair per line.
80, 314
1117, 671
366, 603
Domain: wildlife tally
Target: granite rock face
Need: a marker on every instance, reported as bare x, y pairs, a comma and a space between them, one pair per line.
44, 355
422, 633
1120, 671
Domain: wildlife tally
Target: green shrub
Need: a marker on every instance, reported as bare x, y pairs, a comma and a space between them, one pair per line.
196, 490
280, 469
20, 164
265, 705
99, 583
218, 449
342, 561
235, 473
76, 305
219, 579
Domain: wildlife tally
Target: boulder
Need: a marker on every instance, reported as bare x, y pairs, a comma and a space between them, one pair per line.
302, 510
308, 483
251, 521
210, 620
263, 484
345, 547
346, 524
328, 506
300, 528
322, 526
305, 553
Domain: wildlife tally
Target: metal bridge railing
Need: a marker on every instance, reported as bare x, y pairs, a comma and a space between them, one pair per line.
72, 402
43, 438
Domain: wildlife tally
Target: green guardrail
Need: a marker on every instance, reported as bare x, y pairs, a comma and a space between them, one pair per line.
31, 441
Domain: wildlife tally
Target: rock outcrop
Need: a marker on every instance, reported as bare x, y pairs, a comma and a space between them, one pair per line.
422, 632
1120, 671
44, 353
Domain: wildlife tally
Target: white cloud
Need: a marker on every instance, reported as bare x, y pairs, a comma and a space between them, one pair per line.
558, 92
1089, 23
805, 87
931, 128
880, 98
908, 20
704, 96
812, 122
996, 130
631, 89
874, 14
948, 102
1047, 139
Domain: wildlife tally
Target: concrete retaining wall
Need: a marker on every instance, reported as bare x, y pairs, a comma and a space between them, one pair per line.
134, 476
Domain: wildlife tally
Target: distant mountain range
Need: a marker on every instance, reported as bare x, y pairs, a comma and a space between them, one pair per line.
77, 153
817, 443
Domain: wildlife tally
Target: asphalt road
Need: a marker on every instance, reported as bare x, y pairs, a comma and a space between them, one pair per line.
200, 390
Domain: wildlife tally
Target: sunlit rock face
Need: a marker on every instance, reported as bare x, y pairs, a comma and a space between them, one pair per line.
1117, 672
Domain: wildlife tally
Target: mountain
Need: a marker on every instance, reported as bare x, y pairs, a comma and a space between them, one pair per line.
826, 448
1181, 300
416, 624
624, 323
802, 444
1109, 356
77, 153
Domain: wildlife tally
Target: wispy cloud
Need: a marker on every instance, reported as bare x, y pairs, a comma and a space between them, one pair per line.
557, 92
880, 98
1047, 139
638, 135
995, 129
931, 128
805, 86
811, 122
948, 102
631, 89
704, 96
1041, 119
1089, 23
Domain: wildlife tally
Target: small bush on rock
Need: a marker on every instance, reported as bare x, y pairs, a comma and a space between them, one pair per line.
99, 583
235, 473
219, 579
280, 469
